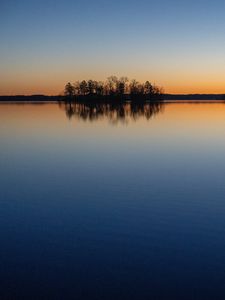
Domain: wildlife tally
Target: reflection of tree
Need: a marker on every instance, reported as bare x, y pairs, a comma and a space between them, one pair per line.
114, 112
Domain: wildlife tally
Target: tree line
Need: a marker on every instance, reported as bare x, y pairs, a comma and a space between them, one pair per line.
113, 87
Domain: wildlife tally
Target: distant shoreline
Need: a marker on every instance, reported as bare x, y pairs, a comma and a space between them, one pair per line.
168, 98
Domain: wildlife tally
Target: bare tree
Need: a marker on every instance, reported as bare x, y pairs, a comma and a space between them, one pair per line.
69, 90
112, 84
91, 87
84, 87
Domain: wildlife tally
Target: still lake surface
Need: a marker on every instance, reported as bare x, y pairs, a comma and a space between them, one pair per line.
112, 203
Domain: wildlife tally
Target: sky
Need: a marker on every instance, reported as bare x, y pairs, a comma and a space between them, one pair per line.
176, 44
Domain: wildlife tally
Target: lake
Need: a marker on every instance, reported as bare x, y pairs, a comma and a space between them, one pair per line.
112, 202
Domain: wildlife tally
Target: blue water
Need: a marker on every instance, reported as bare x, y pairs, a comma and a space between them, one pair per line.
112, 208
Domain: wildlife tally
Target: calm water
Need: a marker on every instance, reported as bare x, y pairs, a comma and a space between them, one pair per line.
112, 202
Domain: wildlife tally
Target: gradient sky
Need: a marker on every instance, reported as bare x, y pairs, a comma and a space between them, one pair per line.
178, 44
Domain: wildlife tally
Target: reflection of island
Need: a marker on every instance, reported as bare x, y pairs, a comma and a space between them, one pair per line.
114, 112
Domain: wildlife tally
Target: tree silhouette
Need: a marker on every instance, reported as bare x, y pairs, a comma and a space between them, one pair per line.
112, 84
113, 89
69, 90
91, 86
83, 87
148, 88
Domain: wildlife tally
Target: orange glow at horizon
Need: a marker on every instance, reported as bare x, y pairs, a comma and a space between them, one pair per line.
53, 84
58, 90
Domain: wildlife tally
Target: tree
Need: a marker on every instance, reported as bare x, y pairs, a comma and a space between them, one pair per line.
134, 87
112, 84
121, 85
91, 87
83, 87
77, 88
148, 88
100, 88
69, 90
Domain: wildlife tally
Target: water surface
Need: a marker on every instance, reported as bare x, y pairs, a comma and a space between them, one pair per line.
112, 202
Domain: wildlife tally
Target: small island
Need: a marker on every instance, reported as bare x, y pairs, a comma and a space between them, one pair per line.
112, 90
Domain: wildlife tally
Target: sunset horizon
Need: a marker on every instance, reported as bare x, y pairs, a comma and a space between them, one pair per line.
54, 90
178, 46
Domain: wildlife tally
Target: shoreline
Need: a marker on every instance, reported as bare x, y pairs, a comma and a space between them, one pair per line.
112, 102
166, 98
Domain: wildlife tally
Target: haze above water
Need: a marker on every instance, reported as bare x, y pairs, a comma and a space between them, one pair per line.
112, 203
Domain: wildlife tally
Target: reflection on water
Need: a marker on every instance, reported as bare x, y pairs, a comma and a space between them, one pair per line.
94, 211
112, 111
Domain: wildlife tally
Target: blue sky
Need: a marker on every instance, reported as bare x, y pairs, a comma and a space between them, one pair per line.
176, 44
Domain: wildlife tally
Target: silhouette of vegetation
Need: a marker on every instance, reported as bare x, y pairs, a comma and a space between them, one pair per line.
113, 89
114, 112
